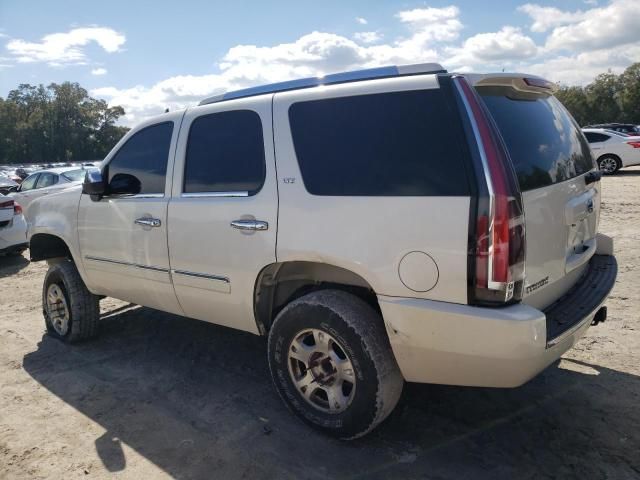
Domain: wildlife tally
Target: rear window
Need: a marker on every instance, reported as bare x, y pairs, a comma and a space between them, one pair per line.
388, 144
544, 142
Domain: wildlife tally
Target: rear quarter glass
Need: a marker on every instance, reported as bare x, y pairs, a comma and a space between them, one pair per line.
403, 143
545, 144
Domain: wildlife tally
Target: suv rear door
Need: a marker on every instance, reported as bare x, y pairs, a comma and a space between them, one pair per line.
551, 157
223, 211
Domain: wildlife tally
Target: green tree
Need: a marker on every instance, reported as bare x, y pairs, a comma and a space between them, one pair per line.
60, 122
609, 98
630, 94
575, 100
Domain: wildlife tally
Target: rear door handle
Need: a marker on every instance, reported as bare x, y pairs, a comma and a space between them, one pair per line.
250, 225
148, 222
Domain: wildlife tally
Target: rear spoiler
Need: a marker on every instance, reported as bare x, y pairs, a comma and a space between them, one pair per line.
518, 81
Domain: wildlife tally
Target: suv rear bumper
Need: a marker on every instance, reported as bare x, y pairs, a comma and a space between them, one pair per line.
438, 342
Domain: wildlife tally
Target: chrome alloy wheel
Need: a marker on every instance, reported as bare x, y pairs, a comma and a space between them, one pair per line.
608, 165
57, 309
322, 371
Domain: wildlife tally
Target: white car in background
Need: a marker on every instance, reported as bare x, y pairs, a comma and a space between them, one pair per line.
612, 150
46, 181
13, 227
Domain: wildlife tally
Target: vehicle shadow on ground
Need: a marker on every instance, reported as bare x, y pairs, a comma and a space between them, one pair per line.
12, 264
197, 401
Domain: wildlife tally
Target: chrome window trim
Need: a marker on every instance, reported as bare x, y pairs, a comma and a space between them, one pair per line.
187, 273
149, 195
127, 196
214, 194
127, 264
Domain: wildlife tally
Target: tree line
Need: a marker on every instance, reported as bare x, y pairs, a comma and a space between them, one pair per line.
57, 123
609, 98
62, 123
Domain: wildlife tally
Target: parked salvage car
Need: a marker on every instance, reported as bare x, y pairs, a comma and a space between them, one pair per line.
612, 150
389, 225
44, 182
7, 185
626, 128
13, 228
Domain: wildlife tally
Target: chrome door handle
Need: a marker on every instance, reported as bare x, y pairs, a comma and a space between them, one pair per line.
148, 222
250, 225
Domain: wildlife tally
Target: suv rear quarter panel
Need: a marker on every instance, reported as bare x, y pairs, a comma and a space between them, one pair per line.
366, 234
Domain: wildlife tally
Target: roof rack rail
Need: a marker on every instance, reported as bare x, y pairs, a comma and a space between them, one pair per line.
344, 77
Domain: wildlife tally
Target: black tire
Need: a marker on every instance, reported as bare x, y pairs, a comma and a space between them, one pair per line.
83, 306
605, 162
359, 329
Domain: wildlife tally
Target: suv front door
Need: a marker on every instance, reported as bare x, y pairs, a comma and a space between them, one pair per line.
123, 237
223, 210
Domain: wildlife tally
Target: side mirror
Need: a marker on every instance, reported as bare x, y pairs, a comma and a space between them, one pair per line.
124, 184
94, 184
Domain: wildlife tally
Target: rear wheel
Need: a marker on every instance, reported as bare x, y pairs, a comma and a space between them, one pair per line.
332, 364
71, 311
609, 164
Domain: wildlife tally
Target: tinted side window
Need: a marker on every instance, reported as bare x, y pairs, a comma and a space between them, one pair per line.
593, 137
46, 180
225, 153
388, 144
29, 183
145, 157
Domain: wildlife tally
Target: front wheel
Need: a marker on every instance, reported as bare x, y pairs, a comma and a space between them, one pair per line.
609, 164
71, 311
332, 364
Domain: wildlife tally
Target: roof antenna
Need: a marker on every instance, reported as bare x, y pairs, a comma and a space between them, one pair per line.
166, 110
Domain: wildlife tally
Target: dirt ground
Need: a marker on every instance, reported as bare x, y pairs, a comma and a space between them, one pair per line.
157, 396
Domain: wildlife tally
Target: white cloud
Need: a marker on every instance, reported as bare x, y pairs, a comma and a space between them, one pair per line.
433, 24
545, 18
361, 20
368, 37
508, 45
582, 68
65, 48
316, 53
431, 35
615, 25
99, 71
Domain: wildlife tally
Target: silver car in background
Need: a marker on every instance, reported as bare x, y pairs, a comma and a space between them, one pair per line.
46, 181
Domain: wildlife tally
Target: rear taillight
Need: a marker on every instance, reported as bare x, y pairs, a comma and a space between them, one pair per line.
7, 205
634, 144
17, 209
498, 248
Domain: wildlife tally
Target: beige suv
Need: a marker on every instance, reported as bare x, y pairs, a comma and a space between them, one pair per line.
389, 225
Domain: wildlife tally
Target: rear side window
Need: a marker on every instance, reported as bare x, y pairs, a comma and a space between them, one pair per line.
145, 157
544, 142
75, 175
225, 153
388, 144
46, 180
593, 137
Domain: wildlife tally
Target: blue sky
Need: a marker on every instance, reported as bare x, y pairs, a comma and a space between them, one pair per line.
148, 56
